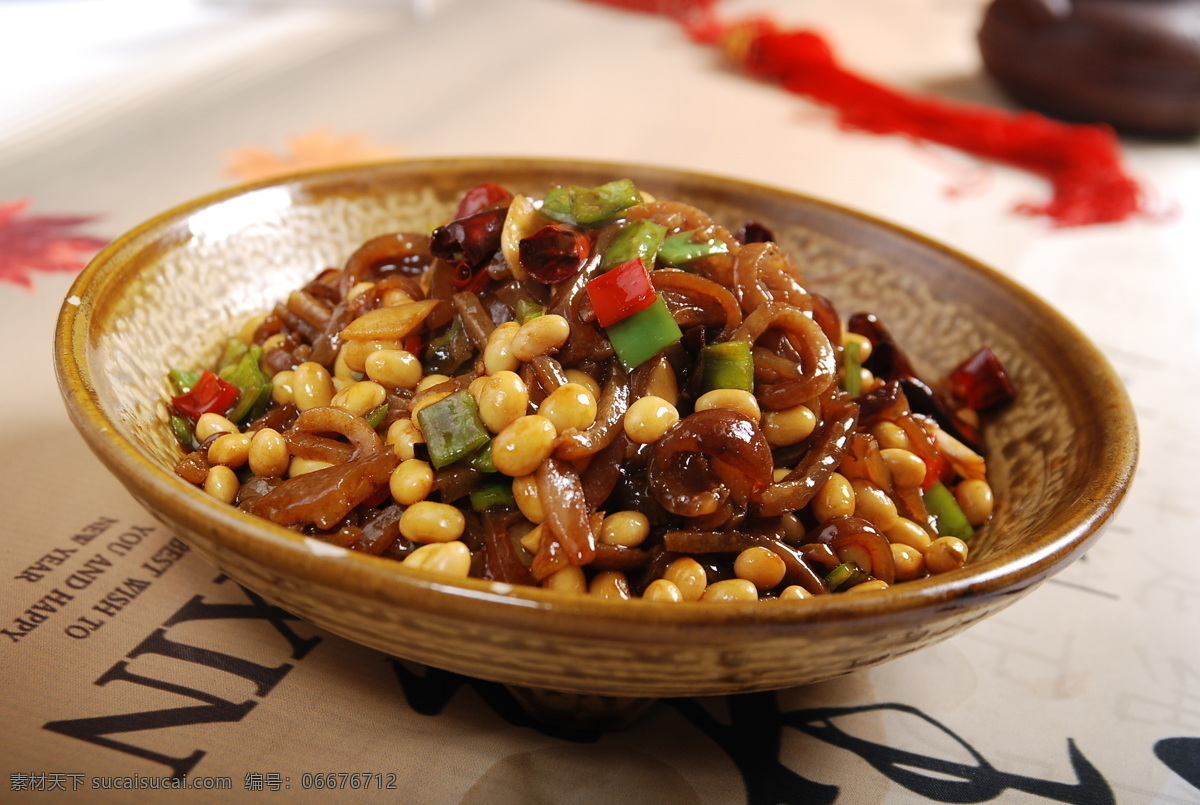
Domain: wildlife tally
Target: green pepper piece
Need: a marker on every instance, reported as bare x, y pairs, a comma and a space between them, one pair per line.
590, 206
235, 350
643, 335
557, 205
481, 459
494, 493
844, 576
376, 415
440, 350
948, 516
255, 386
452, 428
444, 339
680, 249
728, 365
182, 381
183, 432
851, 368
527, 309
638, 239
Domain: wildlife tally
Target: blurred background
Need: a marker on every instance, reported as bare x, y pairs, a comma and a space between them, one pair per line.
158, 101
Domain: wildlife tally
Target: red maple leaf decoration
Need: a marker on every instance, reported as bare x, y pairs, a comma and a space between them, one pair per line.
31, 243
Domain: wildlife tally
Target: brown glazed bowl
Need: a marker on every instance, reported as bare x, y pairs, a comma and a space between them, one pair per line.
172, 290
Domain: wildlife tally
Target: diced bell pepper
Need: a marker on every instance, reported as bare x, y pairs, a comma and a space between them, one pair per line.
844, 576
481, 459
527, 309
494, 493
948, 516
182, 380
439, 354
637, 239
183, 432
643, 335
618, 294
851, 368
210, 395
254, 387
681, 249
728, 365
590, 206
452, 428
233, 353
376, 415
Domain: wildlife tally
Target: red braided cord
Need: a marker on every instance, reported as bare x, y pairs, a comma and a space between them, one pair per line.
1081, 162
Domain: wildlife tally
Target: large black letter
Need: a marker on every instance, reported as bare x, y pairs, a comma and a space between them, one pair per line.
199, 609
94, 729
949, 781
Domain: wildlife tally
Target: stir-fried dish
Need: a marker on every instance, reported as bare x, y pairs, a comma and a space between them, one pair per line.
596, 392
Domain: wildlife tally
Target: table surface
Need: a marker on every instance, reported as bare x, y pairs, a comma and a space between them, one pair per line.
1086, 691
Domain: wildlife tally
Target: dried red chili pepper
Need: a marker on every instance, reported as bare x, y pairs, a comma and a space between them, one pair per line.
471, 240
480, 197
980, 382
554, 253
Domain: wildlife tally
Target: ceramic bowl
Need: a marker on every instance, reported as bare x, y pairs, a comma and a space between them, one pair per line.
173, 289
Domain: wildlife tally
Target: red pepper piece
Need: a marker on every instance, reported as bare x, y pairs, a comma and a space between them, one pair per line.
936, 471
554, 253
480, 197
980, 382
621, 292
920, 442
210, 395
414, 343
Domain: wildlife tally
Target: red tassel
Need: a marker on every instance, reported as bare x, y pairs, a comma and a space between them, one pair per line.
1082, 163
675, 9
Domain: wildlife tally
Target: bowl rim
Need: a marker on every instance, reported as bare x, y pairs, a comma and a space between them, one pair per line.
375, 578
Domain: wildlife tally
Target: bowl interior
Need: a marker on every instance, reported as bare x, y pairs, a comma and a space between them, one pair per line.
172, 291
